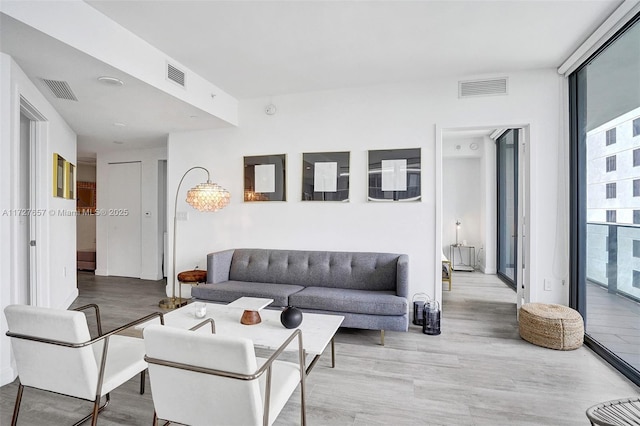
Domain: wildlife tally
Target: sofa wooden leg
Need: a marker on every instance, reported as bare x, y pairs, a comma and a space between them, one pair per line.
382, 337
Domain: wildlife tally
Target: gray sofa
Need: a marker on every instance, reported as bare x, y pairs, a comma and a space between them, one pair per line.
369, 289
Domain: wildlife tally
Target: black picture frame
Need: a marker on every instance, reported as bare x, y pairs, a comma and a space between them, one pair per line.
265, 178
334, 185
395, 175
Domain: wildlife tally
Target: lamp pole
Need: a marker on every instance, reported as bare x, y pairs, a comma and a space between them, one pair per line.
201, 193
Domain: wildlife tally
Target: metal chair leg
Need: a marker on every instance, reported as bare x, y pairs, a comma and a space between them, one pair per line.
143, 374
91, 416
382, 337
16, 408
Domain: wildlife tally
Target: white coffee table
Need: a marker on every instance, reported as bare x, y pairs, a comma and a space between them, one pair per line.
318, 330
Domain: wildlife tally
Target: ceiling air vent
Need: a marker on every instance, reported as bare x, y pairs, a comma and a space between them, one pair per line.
175, 75
495, 86
60, 89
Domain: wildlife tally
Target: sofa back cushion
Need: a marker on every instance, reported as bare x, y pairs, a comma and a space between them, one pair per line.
356, 270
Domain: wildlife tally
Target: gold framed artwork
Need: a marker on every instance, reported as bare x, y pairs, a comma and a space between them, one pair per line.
69, 181
64, 178
58, 175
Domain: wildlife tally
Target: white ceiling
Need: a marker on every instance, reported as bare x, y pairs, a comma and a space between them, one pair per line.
267, 48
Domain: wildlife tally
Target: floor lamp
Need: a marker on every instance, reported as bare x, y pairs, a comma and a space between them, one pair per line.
204, 197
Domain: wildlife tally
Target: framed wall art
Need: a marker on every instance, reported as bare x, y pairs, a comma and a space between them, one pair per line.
394, 175
69, 181
325, 176
265, 178
58, 175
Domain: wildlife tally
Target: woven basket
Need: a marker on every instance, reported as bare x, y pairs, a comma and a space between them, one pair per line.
551, 326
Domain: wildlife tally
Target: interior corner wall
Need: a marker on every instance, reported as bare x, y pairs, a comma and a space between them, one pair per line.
488, 175
358, 120
86, 224
152, 245
56, 231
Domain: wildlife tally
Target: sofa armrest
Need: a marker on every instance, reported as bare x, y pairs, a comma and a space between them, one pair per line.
218, 266
402, 276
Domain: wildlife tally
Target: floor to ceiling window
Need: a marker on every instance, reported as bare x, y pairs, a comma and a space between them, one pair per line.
605, 186
507, 162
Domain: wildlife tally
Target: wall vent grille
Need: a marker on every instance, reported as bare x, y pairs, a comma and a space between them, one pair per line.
60, 89
175, 75
491, 87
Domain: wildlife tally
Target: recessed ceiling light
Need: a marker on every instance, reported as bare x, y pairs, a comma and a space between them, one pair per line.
118, 142
118, 124
111, 81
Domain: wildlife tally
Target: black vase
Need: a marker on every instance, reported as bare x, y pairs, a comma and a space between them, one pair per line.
291, 317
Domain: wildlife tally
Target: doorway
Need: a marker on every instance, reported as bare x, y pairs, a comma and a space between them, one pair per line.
486, 254
27, 204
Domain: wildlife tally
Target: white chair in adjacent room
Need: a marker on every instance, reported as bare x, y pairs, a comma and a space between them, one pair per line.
54, 351
208, 379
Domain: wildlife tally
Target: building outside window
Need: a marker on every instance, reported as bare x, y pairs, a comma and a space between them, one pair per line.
611, 163
636, 217
605, 266
611, 136
611, 190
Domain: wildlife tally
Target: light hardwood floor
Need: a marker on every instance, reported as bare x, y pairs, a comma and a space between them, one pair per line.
477, 372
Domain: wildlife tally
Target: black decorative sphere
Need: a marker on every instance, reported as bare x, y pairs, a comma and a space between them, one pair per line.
291, 317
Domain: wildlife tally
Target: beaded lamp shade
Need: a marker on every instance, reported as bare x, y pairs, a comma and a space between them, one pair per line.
208, 197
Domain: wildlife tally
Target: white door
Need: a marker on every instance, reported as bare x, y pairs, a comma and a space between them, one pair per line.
124, 219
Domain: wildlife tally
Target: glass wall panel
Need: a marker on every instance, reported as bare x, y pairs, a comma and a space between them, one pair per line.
507, 152
605, 113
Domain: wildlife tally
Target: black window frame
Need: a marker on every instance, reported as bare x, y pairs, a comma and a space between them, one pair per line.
636, 187
611, 163
636, 157
611, 191
636, 127
577, 203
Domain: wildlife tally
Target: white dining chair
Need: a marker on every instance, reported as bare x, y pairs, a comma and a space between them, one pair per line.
208, 379
54, 351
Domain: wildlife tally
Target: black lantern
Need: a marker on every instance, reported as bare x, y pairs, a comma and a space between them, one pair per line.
419, 300
431, 318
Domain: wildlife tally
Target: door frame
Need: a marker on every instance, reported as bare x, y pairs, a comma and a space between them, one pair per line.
37, 139
523, 292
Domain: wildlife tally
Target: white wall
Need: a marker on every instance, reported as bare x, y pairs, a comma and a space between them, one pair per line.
56, 235
487, 257
462, 201
382, 117
86, 224
152, 243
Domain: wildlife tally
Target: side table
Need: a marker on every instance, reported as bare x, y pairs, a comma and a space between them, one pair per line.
193, 277
459, 249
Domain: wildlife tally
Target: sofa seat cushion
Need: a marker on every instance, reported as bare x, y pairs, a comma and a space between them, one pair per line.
349, 300
229, 291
